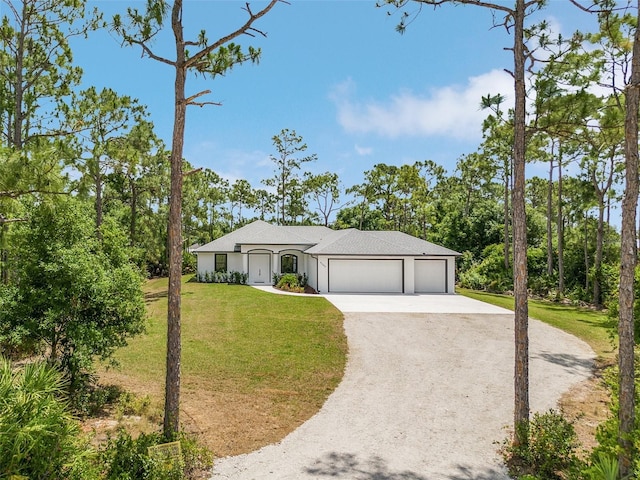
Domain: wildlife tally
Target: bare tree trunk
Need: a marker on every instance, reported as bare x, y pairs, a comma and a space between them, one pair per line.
549, 210
628, 261
521, 320
15, 137
98, 201
133, 222
560, 228
174, 348
507, 215
586, 252
597, 265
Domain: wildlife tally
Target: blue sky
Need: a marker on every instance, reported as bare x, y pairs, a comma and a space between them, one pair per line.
337, 73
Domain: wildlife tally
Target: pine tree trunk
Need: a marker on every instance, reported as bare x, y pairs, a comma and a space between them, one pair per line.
505, 234
172, 384
560, 228
521, 320
549, 210
628, 260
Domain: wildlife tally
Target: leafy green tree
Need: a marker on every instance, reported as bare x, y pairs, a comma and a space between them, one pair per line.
324, 189
75, 298
287, 182
210, 59
107, 118
37, 70
241, 195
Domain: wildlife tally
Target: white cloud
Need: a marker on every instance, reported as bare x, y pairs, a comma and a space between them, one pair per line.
452, 111
363, 151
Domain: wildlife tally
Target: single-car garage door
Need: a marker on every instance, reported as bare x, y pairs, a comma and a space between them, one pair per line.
430, 276
365, 276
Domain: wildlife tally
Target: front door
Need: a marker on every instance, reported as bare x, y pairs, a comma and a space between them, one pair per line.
260, 268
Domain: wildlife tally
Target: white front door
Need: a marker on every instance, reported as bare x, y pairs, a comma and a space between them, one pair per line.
260, 268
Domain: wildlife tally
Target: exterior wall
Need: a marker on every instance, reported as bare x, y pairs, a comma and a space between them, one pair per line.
451, 274
205, 262
234, 262
312, 271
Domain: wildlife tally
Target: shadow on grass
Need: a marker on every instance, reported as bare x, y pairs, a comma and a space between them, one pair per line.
349, 467
155, 296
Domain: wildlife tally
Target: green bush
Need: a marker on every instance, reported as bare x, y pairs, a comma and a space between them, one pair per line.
607, 432
38, 436
289, 282
550, 452
126, 458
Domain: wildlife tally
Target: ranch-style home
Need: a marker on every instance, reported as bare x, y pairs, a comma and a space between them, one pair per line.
334, 261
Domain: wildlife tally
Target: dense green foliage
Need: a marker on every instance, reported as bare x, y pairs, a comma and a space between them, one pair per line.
74, 297
39, 438
550, 452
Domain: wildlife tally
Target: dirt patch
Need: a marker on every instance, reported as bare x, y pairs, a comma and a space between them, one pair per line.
227, 423
586, 404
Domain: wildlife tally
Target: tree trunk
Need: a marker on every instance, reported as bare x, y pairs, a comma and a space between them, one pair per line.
172, 384
505, 236
15, 137
628, 261
98, 201
586, 251
549, 210
560, 228
521, 319
597, 264
133, 222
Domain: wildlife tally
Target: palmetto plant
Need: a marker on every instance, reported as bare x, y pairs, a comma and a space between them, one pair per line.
38, 436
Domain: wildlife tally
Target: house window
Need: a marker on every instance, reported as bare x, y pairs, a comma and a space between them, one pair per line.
221, 262
288, 264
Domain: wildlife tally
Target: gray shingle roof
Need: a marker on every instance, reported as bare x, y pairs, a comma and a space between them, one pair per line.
260, 232
323, 240
356, 242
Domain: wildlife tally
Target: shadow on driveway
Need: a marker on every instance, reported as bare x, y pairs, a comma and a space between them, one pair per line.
349, 466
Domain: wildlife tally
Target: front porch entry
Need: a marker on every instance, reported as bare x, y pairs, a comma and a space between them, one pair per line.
260, 268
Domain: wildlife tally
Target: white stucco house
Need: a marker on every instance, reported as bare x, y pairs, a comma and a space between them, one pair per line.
335, 261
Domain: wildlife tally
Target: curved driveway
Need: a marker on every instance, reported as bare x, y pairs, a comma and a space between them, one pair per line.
427, 393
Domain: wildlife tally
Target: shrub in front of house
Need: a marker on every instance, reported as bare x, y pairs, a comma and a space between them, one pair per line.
239, 278
290, 283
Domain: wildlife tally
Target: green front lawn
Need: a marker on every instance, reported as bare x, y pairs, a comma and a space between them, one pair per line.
254, 355
592, 326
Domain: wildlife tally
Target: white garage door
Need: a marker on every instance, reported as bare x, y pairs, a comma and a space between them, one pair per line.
430, 276
365, 276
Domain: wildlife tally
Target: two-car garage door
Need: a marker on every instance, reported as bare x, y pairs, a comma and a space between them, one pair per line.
365, 276
385, 276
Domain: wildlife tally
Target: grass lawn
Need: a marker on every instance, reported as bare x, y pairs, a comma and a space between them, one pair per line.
255, 365
592, 326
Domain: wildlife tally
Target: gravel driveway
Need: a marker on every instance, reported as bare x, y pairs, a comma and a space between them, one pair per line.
425, 396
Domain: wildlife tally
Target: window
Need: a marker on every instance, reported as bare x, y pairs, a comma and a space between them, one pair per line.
221, 262
288, 264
